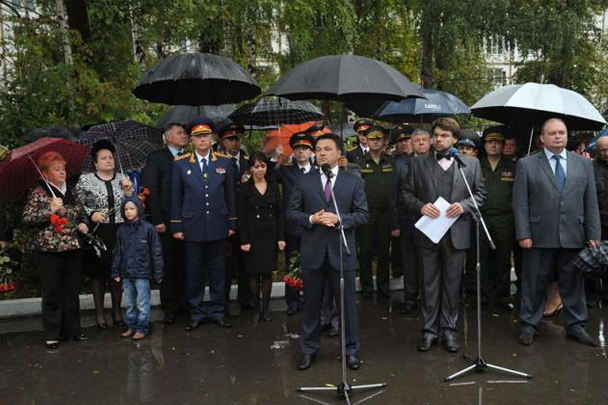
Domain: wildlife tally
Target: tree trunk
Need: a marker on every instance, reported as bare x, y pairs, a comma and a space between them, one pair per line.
426, 34
63, 24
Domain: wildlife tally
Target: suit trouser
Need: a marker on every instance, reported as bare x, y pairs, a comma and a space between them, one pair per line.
538, 266
292, 294
376, 232
396, 257
442, 271
235, 268
201, 255
314, 288
60, 284
412, 271
496, 264
172, 289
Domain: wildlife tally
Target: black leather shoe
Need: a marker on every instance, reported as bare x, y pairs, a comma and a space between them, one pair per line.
353, 362
579, 334
80, 337
193, 325
333, 332
526, 337
507, 306
306, 361
426, 343
51, 345
221, 323
169, 319
102, 326
450, 344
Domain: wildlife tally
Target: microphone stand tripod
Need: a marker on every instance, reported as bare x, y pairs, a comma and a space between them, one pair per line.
344, 389
479, 364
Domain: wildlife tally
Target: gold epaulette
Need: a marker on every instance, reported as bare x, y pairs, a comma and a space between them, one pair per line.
220, 154
352, 149
245, 157
287, 164
184, 156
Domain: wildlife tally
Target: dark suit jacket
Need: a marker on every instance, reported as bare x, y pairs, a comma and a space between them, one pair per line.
157, 178
403, 218
354, 154
203, 213
308, 198
421, 188
554, 219
288, 175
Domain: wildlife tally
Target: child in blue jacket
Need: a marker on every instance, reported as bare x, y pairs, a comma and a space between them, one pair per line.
138, 257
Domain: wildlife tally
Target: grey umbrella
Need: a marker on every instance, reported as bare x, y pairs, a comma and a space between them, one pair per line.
276, 110
197, 79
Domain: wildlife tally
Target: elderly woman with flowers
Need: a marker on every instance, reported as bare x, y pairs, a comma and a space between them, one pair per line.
54, 210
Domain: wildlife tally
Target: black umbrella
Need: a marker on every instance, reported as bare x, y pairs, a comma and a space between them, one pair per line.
184, 113
437, 104
344, 128
70, 134
276, 110
133, 142
346, 78
197, 79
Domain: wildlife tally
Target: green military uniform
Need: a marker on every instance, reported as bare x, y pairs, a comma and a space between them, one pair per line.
498, 214
377, 178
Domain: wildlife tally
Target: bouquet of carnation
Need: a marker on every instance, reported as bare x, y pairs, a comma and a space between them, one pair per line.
293, 278
59, 223
144, 192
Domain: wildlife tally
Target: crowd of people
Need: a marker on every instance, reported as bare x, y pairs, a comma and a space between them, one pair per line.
219, 214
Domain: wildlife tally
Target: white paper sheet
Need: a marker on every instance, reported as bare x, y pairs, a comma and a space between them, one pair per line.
434, 229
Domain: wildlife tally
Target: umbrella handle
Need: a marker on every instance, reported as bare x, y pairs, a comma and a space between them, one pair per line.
41, 176
530, 142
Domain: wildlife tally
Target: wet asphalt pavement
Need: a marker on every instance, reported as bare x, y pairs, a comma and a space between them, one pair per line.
254, 363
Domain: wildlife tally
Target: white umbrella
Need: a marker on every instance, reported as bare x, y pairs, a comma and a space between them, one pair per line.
526, 105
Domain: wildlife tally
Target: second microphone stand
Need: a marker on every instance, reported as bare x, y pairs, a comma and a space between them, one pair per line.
479, 364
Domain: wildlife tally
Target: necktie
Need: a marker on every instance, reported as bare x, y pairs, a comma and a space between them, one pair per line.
303, 170
328, 190
204, 168
560, 176
235, 164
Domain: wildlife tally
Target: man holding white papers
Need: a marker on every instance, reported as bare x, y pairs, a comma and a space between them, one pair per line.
432, 176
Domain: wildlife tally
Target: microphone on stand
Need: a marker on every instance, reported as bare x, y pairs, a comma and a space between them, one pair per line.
326, 169
453, 152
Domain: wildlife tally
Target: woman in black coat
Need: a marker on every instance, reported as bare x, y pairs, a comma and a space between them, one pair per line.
261, 227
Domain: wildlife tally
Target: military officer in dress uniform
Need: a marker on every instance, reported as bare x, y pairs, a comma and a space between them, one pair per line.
229, 136
203, 214
377, 172
362, 148
288, 175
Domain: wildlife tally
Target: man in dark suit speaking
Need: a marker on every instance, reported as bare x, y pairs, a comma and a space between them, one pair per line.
311, 207
432, 176
555, 210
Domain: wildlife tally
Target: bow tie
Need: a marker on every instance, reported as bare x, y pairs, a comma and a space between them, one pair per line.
446, 156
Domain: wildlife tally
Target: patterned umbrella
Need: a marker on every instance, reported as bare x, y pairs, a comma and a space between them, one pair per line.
18, 171
133, 142
276, 110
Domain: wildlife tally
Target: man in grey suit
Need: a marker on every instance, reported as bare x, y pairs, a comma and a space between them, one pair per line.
312, 208
556, 211
431, 176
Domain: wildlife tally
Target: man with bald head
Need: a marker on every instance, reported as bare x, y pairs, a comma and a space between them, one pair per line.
597, 291
556, 213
